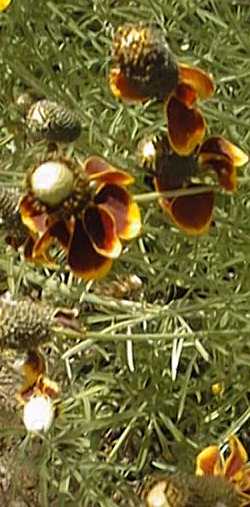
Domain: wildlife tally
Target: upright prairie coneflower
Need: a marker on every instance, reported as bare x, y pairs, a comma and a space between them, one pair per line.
85, 207
144, 67
216, 156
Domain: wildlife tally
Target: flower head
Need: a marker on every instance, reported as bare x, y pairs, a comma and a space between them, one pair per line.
234, 468
172, 172
85, 207
145, 68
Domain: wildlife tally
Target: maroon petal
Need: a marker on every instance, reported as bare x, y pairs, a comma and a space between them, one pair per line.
219, 146
198, 79
223, 167
102, 171
122, 89
35, 219
186, 126
191, 213
101, 229
126, 213
58, 231
83, 259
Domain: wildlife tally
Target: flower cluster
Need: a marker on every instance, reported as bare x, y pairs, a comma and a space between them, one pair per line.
144, 68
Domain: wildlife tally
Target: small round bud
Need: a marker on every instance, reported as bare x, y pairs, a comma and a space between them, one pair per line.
51, 121
143, 56
38, 414
52, 182
147, 153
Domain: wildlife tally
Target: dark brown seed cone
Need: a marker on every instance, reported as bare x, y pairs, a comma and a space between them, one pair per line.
24, 324
10, 217
144, 57
155, 154
182, 490
52, 122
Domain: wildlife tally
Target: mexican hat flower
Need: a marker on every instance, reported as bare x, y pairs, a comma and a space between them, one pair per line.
191, 212
144, 68
85, 207
37, 393
234, 468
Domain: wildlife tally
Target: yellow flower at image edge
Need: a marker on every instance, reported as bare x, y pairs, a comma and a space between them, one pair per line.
234, 467
85, 207
4, 4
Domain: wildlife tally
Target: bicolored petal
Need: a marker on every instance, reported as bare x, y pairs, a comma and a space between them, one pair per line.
31, 368
221, 147
236, 459
186, 126
83, 259
208, 462
191, 213
42, 258
198, 79
122, 89
221, 156
34, 219
101, 229
59, 231
126, 213
223, 167
103, 172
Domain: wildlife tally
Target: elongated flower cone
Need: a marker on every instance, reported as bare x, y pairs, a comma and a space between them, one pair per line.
144, 66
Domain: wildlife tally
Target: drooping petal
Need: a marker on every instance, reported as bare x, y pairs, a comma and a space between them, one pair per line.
186, 126
101, 229
236, 459
191, 213
219, 146
58, 231
99, 169
208, 462
122, 89
33, 218
42, 259
126, 213
83, 259
200, 81
186, 94
223, 167
244, 481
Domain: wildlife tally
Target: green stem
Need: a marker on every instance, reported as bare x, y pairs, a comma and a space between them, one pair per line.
152, 196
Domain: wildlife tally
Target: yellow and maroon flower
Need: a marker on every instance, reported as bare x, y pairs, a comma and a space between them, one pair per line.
85, 207
234, 467
145, 68
192, 212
